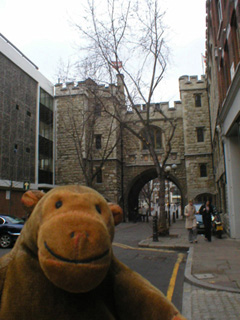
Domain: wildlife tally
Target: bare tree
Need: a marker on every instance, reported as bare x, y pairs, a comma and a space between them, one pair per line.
127, 39
147, 193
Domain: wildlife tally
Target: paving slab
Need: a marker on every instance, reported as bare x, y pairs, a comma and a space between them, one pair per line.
220, 257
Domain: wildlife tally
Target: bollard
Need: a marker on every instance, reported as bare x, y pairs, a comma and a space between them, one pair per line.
155, 229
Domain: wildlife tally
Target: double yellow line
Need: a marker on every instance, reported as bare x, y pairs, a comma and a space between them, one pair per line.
173, 279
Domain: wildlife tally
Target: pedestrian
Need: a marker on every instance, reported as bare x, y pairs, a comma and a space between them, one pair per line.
206, 211
144, 213
191, 221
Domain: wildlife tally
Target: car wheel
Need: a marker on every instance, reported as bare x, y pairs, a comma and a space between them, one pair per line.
5, 241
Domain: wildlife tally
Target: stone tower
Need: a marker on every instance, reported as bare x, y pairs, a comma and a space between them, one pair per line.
197, 138
88, 144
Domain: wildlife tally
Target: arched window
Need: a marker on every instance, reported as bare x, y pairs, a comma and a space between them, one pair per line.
155, 137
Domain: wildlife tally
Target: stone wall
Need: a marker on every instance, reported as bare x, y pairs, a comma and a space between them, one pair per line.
75, 101
77, 125
196, 153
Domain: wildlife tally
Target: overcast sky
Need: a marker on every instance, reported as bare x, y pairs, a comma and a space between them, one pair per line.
41, 30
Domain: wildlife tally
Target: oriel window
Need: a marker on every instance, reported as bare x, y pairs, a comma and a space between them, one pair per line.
155, 134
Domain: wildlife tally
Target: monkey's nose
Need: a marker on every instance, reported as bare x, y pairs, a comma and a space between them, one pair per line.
77, 236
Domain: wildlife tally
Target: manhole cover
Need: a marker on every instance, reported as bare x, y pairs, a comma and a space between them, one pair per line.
203, 276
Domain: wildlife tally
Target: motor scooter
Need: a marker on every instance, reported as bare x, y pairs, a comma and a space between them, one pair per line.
217, 225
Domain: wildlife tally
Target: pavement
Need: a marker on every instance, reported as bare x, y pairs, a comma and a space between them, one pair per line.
212, 273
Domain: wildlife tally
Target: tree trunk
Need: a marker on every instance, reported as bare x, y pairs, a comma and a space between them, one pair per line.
162, 222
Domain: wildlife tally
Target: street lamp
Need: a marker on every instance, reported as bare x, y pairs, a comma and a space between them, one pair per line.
155, 228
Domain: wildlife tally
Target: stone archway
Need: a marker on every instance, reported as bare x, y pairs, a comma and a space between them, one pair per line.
136, 185
203, 197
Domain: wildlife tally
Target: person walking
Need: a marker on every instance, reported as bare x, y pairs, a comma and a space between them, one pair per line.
191, 221
206, 211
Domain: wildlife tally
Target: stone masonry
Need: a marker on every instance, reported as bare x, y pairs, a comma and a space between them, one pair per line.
129, 163
196, 153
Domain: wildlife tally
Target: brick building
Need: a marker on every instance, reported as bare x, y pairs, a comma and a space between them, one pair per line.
223, 77
26, 128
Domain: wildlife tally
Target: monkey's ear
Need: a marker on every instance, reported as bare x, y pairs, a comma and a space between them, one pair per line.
117, 212
30, 199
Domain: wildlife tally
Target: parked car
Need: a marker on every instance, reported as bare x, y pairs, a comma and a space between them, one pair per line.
200, 225
10, 228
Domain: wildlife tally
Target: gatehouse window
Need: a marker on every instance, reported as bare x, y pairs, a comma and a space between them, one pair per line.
203, 170
98, 138
198, 100
200, 134
155, 134
99, 178
97, 110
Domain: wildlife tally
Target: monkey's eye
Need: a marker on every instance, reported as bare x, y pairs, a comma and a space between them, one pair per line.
58, 204
98, 209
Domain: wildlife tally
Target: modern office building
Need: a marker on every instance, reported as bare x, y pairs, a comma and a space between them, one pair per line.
26, 128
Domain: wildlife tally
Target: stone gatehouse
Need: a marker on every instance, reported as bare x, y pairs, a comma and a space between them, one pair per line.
92, 148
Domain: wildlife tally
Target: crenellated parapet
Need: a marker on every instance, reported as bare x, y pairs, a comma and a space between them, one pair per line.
87, 87
192, 82
157, 109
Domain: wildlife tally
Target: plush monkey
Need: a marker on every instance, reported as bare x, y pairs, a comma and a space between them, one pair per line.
62, 266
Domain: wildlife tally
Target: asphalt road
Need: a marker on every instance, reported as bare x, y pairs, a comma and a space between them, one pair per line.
155, 265
4, 251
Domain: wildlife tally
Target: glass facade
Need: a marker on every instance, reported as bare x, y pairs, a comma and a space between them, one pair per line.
45, 155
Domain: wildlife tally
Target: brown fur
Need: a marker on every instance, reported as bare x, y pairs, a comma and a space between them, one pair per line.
62, 266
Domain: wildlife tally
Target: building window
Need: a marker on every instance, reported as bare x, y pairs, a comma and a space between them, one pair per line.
219, 8
226, 66
99, 175
97, 110
203, 170
143, 107
17, 106
235, 39
45, 151
98, 138
28, 150
29, 113
155, 134
200, 134
198, 100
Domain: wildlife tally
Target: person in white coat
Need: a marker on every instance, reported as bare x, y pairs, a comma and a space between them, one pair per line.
191, 221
